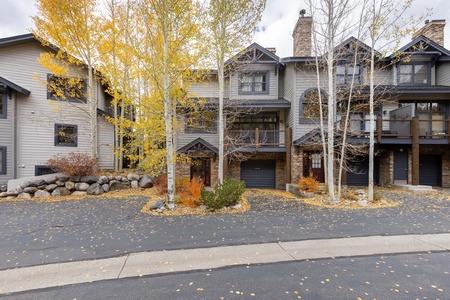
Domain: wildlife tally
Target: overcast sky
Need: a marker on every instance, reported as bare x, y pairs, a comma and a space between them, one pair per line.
276, 26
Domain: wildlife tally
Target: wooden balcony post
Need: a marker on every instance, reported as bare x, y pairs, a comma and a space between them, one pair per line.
288, 142
415, 150
257, 138
379, 128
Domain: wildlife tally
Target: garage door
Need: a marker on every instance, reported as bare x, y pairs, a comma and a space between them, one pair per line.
430, 170
258, 173
360, 176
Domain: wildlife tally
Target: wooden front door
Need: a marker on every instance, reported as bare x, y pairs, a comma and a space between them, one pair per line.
313, 163
201, 168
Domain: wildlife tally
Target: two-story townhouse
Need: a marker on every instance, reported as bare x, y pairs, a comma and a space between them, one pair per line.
34, 124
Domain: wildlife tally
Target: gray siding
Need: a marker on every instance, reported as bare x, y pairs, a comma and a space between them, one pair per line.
443, 74
105, 144
35, 115
183, 138
273, 82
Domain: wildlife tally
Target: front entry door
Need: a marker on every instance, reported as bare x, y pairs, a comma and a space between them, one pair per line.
201, 168
313, 163
401, 167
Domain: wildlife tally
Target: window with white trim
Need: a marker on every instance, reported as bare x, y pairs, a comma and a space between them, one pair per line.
414, 74
254, 82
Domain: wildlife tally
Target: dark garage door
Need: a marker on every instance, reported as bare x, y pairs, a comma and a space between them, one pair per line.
361, 175
430, 170
258, 173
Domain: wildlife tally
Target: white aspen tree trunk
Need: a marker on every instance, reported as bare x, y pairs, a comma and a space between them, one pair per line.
221, 123
93, 112
371, 126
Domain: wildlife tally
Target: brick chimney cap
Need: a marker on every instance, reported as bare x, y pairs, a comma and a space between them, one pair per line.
302, 13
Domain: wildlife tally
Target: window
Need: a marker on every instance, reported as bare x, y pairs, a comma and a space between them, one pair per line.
201, 121
2, 105
345, 74
2, 160
66, 88
66, 135
311, 105
254, 83
43, 170
417, 73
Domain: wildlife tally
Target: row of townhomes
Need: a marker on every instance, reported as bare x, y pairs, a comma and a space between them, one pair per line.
272, 136
34, 125
272, 115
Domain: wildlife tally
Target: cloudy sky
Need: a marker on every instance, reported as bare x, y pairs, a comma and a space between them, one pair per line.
276, 25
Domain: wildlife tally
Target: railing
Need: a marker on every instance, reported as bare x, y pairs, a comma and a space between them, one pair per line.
256, 138
400, 128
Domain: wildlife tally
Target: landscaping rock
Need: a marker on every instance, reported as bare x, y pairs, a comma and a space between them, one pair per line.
158, 204
51, 180
133, 177
146, 182
202, 208
38, 182
3, 188
89, 179
60, 183
110, 178
14, 191
347, 203
134, 184
360, 192
95, 189
307, 194
79, 193
160, 210
60, 191
30, 190
75, 178
117, 185
81, 186
25, 184
237, 206
70, 185
362, 203
41, 194
63, 178
3, 194
105, 187
24, 196
102, 180
51, 187
42, 187
118, 178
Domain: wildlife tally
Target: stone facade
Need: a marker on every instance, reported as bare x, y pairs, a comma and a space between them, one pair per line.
387, 168
433, 30
302, 36
184, 169
296, 164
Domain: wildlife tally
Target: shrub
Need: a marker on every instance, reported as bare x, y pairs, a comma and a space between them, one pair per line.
308, 184
190, 192
226, 194
74, 163
160, 184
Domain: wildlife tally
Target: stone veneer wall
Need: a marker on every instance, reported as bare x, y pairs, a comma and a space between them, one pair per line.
184, 169
387, 168
296, 164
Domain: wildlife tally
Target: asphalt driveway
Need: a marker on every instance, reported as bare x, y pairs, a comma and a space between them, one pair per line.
33, 233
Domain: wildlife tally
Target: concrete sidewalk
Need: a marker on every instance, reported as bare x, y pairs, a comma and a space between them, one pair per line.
161, 262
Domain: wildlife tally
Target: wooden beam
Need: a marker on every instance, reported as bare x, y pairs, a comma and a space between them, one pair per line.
379, 128
415, 150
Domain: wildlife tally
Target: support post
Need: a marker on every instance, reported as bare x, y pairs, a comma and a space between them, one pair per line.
415, 150
288, 143
379, 128
257, 139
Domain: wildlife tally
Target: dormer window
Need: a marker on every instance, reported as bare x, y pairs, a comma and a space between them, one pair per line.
254, 82
414, 74
345, 74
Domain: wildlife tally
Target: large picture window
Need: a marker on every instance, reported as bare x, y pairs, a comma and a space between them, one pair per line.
201, 121
2, 160
254, 82
311, 105
66, 135
66, 88
345, 74
414, 73
3, 108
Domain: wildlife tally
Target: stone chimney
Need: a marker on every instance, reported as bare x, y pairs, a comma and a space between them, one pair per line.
272, 50
302, 35
433, 30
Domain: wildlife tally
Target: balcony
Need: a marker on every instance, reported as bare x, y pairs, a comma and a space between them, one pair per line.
402, 131
257, 140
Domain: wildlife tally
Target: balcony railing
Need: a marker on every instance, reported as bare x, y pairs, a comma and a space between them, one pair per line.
256, 138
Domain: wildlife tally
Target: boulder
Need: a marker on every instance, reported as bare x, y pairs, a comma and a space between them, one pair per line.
74, 178
95, 189
63, 178
158, 204
30, 190
3, 194
41, 194
89, 179
81, 186
102, 180
146, 182
134, 184
37, 182
14, 191
24, 196
42, 187
60, 191
362, 203
51, 180
60, 183
51, 187
105, 187
118, 178
118, 185
79, 193
25, 184
110, 177
133, 177
70, 185
360, 192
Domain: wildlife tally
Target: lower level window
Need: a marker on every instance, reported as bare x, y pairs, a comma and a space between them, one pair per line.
42, 170
2, 160
66, 135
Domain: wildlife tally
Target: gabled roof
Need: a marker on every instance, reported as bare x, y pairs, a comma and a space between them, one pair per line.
430, 47
352, 40
254, 46
24, 38
198, 145
309, 138
14, 86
